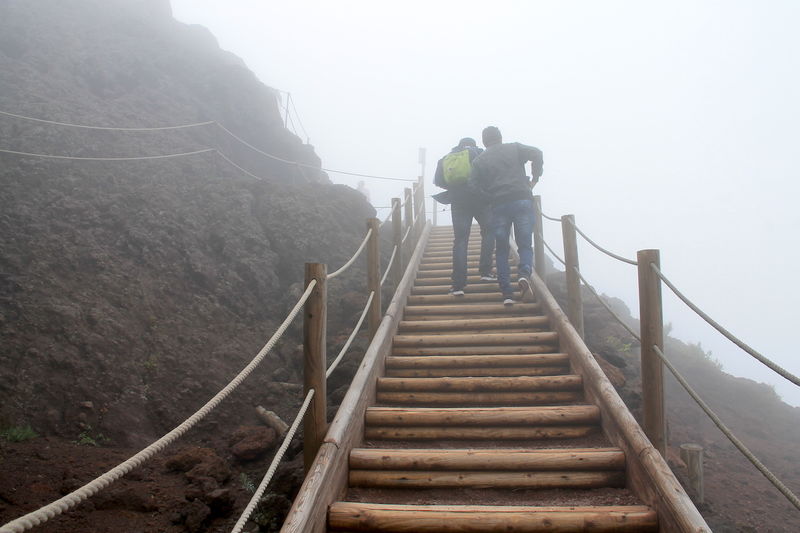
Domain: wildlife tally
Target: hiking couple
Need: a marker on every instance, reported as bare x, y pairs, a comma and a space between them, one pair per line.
491, 187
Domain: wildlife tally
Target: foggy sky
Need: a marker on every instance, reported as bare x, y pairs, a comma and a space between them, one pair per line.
670, 126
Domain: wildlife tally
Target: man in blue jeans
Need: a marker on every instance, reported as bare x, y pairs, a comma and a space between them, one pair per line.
453, 173
500, 173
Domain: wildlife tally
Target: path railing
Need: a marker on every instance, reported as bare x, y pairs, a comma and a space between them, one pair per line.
313, 303
650, 336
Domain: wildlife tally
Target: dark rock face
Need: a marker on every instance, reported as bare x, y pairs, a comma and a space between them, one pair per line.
142, 287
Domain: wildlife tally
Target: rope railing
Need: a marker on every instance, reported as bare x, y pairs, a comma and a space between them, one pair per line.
259, 492
107, 128
608, 253
77, 496
355, 256
554, 219
764, 360
405, 236
389, 264
727, 432
136, 158
553, 253
353, 334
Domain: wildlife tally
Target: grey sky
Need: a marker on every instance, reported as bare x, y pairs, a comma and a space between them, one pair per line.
664, 125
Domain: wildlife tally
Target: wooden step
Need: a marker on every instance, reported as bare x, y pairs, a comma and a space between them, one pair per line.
486, 480
352, 516
475, 288
493, 308
447, 272
479, 398
476, 339
477, 365
570, 382
530, 322
495, 460
446, 280
474, 350
483, 416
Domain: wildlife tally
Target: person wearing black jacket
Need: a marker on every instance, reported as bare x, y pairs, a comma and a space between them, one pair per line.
500, 173
467, 203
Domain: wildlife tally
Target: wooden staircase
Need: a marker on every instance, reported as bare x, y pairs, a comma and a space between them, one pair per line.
479, 422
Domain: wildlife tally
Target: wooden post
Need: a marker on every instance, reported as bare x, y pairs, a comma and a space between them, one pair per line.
315, 424
423, 216
692, 455
433, 213
652, 333
574, 300
409, 208
397, 239
538, 237
374, 274
415, 229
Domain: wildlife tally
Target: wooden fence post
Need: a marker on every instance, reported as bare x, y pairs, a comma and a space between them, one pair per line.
433, 213
374, 274
397, 238
538, 237
315, 424
652, 333
574, 300
409, 215
692, 455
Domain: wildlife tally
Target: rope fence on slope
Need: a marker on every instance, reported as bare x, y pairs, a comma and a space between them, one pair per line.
355, 256
767, 362
259, 492
355, 331
77, 496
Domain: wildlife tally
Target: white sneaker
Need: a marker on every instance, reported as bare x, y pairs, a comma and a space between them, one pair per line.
508, 302
489, 277
524, 286
456, 292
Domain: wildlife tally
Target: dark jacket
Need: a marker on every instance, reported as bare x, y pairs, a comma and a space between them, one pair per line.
464, 194
500, 172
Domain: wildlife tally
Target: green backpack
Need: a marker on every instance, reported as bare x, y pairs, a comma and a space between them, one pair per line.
456, 167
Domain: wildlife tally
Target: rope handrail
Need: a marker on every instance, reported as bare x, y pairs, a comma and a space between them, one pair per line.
181, 126
765, 361
75, 497
76, 158
389, 264
727, 432
403, 240
553, 253
387, 219
251, 505
608, 253
108, 128
271, 156
714, 418
352, 259
554, 219
353, 334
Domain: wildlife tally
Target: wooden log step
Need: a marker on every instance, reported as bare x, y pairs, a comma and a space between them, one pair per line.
475, 288
471, 280
529, 322
444, 265
478, 398
529, 459
477, 372
477, 433
473, 252
483, 416
445, 299
447, 272
473, 350
486, 480
495, 308
478, 361
469, 384
481, 339
360, 517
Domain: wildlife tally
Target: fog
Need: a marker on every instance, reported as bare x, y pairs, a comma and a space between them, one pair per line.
670, 126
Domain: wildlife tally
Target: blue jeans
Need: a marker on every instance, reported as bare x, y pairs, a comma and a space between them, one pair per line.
520, 214
462, 224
